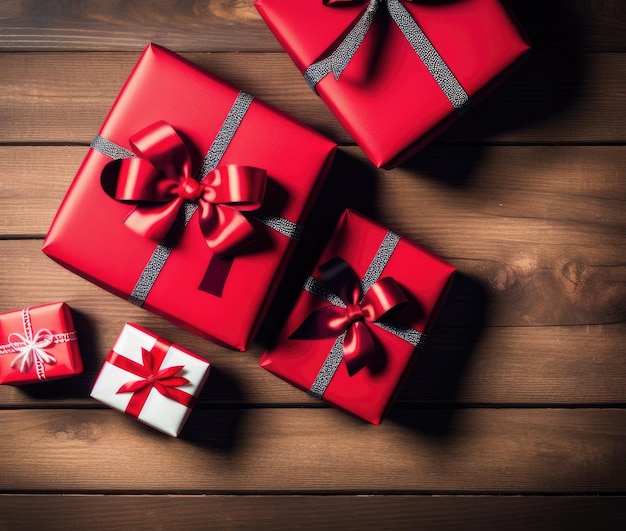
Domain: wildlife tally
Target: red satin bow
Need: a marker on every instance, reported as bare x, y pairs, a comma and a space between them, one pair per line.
164, 381
359, 347
159, 178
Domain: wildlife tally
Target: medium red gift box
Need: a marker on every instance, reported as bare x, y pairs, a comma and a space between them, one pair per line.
191, 199
38, 344
354, 331
406, 70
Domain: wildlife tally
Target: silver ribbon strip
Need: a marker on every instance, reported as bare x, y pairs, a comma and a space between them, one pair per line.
220, 144
323, 378
284, 226
338, 60
375, 269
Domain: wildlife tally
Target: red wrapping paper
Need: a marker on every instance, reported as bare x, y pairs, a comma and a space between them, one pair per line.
425, 280
89, 237
386, 98
50, 330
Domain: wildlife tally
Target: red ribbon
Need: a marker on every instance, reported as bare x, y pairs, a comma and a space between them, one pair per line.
164, 381
159, 179
359, 346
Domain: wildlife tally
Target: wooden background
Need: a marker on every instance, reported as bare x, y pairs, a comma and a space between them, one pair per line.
515, 414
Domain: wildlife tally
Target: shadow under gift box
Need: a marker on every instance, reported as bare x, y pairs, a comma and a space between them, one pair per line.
408, 80
219, 125
315, 364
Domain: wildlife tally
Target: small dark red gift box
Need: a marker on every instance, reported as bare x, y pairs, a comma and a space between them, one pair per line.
355, 329
38, 344
407, 68
190, 200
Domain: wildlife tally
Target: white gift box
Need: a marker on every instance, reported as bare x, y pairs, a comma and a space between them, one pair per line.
164, 413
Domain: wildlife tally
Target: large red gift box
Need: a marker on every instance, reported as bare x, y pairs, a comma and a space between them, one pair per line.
191, 199
406, 69
355, 329
38, 344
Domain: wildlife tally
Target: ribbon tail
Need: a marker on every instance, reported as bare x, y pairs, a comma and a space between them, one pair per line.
339, 59
358, 348
44, 356
25, 361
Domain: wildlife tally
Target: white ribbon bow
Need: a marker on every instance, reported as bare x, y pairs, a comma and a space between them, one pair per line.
30, 349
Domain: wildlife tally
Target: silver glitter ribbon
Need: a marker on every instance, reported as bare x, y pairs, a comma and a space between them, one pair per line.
220, 144
375, 269
338, 60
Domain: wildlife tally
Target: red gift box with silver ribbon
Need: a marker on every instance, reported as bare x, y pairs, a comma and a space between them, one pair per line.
396, 73
151, 379
354, 332
38, 344
191, 199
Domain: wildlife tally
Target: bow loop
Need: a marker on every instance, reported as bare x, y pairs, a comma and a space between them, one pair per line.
30, 348
356, 315
150, 377
341, 279
160, 144
159, 180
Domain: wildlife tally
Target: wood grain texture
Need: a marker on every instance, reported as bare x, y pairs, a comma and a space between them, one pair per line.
359, 513
317, 450
64, 97
537, 242
234, 25
513, 416
529, 299
547, 365
505, 185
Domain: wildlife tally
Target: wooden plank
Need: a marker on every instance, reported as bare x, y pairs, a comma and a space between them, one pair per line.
554, 187
535, 366
64, 97
220, 25
536, 242
471, 357
224, 25
435, 513
319, 450
520, 190
537, 296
